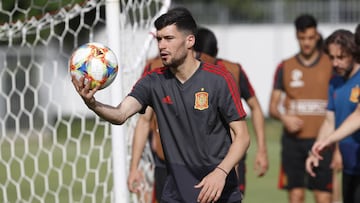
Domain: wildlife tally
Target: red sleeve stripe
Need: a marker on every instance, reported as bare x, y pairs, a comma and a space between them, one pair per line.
248, 84
146, 69
159, 70
231, 85
279, 67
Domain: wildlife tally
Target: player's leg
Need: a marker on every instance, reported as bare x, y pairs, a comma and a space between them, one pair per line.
292, 173
322, 196
296, 195
336, 194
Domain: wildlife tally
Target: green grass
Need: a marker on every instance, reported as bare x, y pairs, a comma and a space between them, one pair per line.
77, 166
258, 190
264, 189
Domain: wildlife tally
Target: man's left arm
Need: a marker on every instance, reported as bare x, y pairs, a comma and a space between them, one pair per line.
257, 118
213, 184
349, 126
247, 92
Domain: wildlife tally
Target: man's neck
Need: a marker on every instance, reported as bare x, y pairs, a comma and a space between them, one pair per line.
355, 69
310, 59
187, 69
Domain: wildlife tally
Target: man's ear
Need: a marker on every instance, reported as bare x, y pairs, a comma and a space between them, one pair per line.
190, 41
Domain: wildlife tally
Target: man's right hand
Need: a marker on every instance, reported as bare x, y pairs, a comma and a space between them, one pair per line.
135, 181
84, 91
311, 163
292, 123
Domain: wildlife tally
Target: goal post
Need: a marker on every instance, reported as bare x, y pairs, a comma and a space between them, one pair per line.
52, 148
118, 138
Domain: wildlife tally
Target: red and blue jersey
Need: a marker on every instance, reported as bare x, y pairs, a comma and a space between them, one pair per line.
343, 100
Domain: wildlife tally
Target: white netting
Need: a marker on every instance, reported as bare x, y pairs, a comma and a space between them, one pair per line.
53, 149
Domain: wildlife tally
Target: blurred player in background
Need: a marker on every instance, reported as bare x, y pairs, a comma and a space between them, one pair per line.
195, 116
147, 127
337, 161
343, 112
206, 44
303, 79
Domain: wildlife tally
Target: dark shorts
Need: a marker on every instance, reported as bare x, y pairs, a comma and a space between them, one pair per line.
179, 185
351, 188
241, 174
160, 178
293, 173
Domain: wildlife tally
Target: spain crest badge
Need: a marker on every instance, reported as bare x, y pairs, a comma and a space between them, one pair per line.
355, 94
201, 100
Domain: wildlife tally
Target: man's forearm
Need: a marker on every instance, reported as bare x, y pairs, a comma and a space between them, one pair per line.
237, 149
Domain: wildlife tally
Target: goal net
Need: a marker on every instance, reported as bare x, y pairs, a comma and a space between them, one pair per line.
52, 148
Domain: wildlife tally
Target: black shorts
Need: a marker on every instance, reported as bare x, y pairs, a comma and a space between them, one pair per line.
160, 175
351, 188
241, 170
293, 173
160, 178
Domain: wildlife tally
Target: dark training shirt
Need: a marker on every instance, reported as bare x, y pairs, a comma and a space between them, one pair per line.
193, 118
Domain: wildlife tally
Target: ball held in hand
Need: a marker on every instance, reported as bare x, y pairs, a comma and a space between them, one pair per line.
96, 63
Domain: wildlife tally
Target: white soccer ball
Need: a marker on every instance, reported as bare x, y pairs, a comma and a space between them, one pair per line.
96, 63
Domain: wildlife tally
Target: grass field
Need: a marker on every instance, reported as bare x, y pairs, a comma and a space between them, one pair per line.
264, 189
258, 190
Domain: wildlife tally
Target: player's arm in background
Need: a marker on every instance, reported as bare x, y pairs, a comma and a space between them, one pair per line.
141, 134
291, 123
349, 126
247, 92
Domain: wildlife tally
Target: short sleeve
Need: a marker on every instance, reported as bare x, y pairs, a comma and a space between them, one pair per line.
141, 91
330, 105
278, 77
246, 89
230, 103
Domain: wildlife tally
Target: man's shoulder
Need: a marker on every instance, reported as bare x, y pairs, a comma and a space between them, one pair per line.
227, 63
213, 68
205, 58
336, 80
290, 59
217, 73
154, 63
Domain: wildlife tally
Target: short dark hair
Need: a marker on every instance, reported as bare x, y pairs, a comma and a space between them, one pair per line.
206, 42
346, 40
305, 21
357, 41
357, 34
179, 16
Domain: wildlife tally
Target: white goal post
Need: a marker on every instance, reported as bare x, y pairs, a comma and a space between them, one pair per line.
52, 148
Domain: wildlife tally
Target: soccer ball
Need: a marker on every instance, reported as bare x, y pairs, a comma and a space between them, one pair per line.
96, 63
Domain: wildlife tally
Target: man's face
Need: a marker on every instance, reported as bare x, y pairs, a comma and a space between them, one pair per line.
307, 41
173, 45
342, 62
